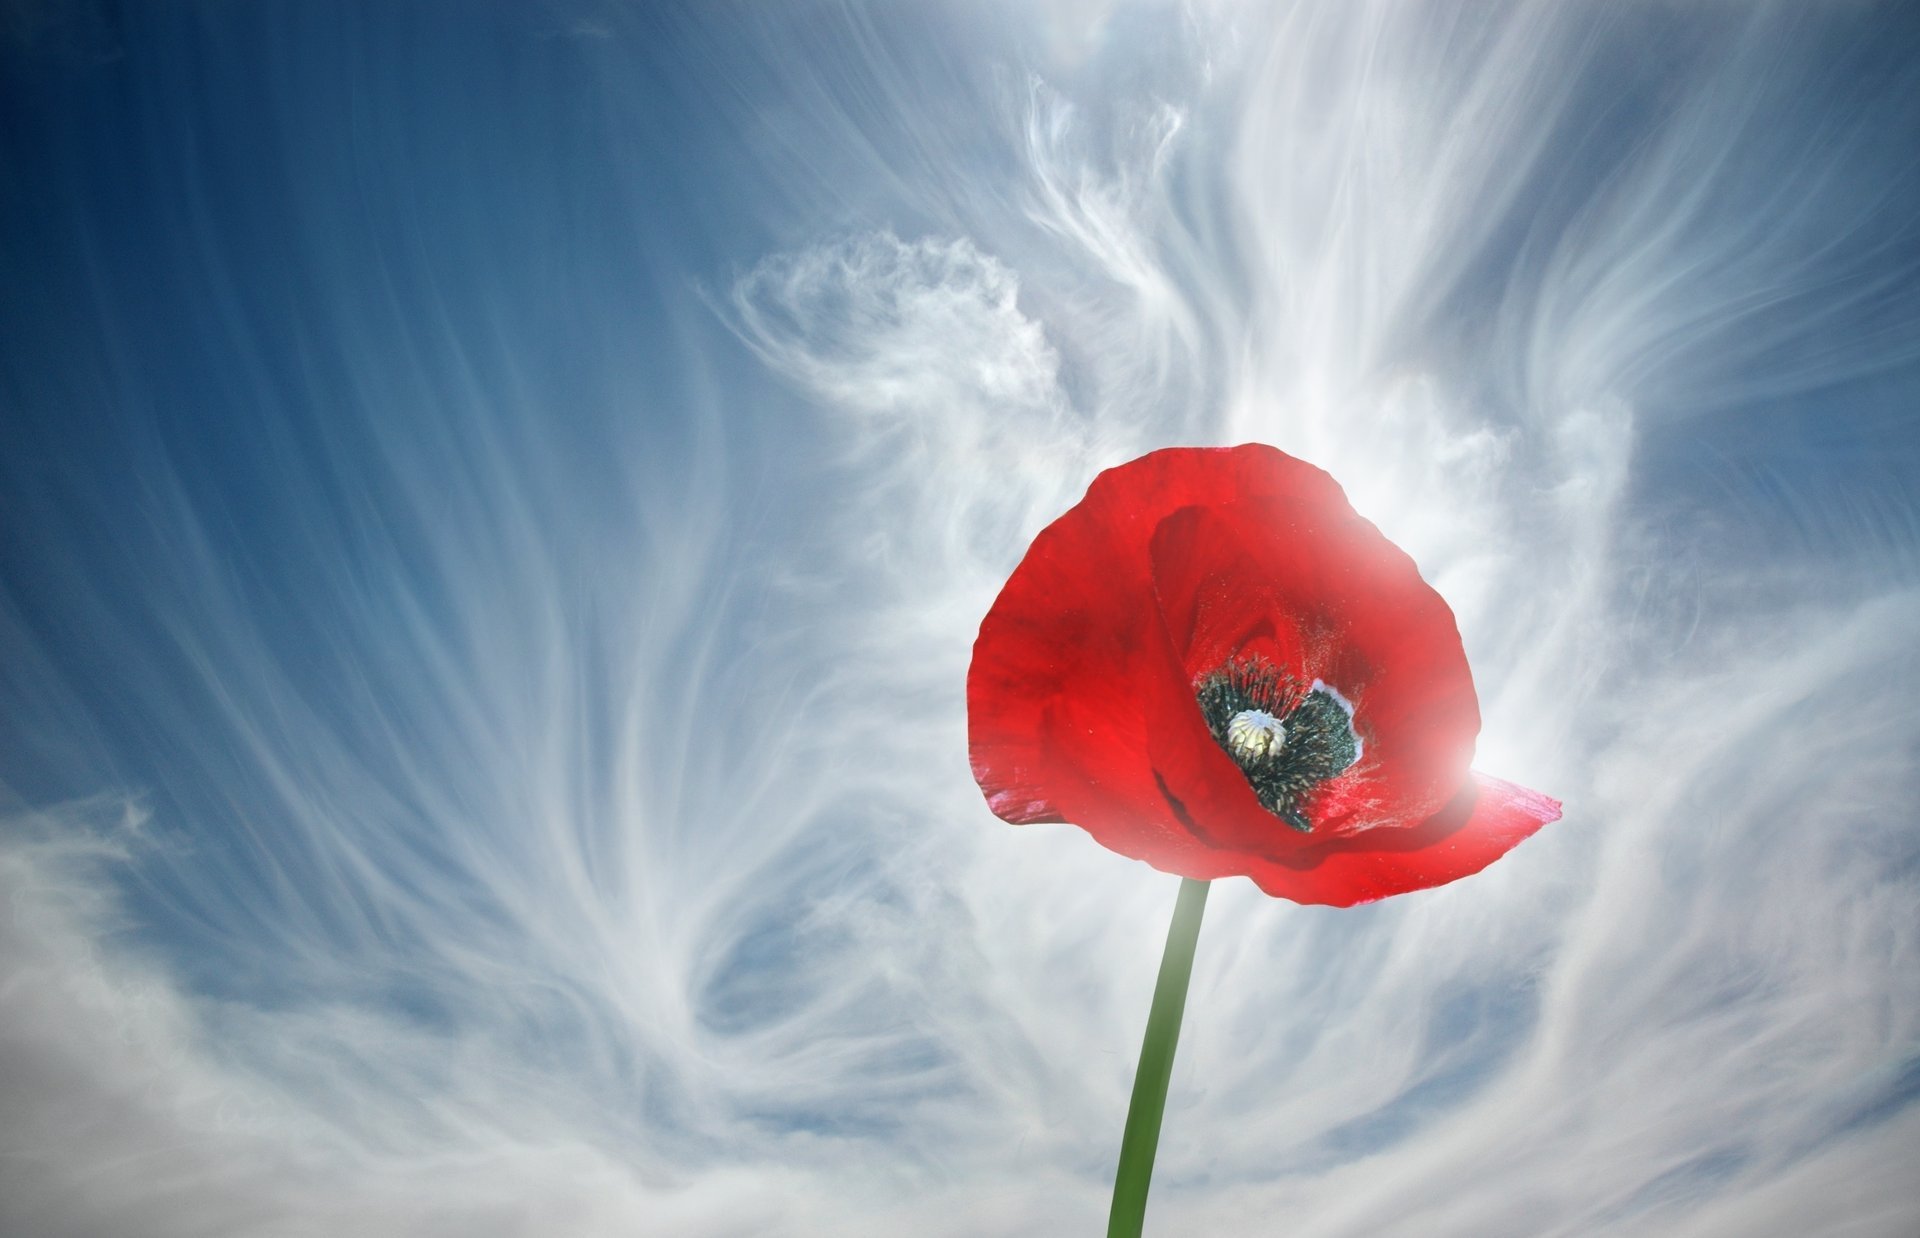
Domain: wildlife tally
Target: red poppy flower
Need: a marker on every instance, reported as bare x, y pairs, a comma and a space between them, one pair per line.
1212, 664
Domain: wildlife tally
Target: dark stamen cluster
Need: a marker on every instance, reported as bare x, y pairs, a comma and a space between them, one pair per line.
1319, 744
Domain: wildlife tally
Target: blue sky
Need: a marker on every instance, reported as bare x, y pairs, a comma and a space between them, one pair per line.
495, 501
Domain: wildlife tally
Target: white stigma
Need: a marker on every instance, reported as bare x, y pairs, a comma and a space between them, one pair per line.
1253, 734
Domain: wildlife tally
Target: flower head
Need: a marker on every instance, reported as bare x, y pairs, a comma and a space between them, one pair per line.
1212, 664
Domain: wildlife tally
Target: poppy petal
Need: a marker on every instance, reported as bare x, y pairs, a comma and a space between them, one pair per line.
1323, 595
1486, 819
1071, 669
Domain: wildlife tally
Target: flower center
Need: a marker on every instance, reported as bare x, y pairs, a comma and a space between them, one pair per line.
1287, 739
1254, 734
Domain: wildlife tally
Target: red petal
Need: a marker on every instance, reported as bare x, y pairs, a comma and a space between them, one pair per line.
1487, 819
1325, 596
1071, 660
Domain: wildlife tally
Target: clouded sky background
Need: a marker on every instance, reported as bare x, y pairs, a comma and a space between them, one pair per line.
495, 501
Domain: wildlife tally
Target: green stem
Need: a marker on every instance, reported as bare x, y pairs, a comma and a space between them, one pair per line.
1149, 1104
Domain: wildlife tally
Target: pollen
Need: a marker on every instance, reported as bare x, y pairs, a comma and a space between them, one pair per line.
1254, 735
